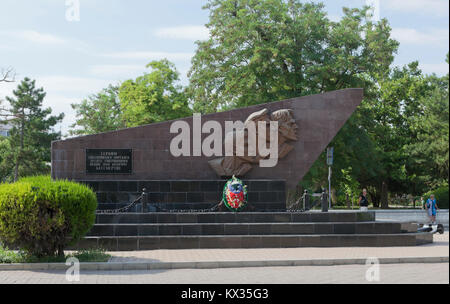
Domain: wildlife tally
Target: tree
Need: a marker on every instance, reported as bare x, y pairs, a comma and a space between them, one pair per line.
350, 187
430, 153
153, 97
397, 104
355, 159
6, 76
262, 51
98, 113
31, 134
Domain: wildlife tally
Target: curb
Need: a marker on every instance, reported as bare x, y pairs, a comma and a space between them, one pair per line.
216, 264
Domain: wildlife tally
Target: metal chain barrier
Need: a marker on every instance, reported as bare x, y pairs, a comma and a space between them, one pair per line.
123, 209
143, 199
304, 199
307, 205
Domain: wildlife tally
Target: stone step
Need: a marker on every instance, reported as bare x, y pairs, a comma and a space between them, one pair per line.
229, 217
127, 243
244, 229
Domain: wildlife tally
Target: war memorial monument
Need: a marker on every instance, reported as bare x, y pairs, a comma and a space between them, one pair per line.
161, 186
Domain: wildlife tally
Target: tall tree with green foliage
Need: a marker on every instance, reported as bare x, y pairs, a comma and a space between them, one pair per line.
262, 51
398, 103
98, 113
153, 97
31, 134
430, 152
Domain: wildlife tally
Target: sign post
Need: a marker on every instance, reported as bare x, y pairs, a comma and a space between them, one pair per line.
330, 152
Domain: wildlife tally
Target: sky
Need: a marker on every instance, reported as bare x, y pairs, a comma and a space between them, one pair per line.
74, 48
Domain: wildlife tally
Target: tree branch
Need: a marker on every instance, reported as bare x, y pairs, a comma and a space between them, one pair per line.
7, 75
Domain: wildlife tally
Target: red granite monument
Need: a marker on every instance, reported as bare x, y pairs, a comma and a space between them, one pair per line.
184, 186
129, 158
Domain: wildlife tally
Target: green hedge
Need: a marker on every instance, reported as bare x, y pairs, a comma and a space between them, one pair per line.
42, 216
441, 195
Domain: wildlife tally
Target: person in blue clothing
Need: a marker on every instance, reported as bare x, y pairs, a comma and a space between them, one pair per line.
432, 207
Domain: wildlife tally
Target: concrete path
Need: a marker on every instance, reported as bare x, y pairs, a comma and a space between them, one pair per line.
418, 216
438, 252
440, 248
348, 274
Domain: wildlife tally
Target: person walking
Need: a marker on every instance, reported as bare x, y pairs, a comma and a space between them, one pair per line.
363, 202
432, 208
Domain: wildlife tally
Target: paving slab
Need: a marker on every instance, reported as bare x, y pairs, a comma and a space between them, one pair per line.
437, 252
440, 248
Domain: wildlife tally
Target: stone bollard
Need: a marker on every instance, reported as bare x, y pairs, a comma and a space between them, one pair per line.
144, 200
324, 201
306, 200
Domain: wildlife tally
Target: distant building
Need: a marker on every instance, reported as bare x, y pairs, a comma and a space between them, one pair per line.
5, 129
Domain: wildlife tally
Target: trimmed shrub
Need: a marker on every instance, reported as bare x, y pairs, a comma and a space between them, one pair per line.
42, 216
441, 195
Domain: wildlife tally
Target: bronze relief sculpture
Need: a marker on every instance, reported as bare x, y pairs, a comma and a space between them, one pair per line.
239, 165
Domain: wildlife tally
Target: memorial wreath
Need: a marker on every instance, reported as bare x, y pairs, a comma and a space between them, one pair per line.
235, 194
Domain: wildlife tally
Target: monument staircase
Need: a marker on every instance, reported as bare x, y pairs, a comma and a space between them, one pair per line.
148, 231
270, 226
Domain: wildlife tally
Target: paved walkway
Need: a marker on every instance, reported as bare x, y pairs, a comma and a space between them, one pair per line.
440, 248
389, 273
348, 274
416, 215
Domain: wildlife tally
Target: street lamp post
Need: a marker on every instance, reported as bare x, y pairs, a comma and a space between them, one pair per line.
330, 152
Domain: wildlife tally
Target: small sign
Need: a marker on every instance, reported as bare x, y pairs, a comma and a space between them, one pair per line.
330, 152
109, 161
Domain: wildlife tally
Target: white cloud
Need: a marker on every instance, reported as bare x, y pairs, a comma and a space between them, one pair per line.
7, 48
44, 38
6, 89
20, 39
122, 70
62, 104
150, 55
66, 84
439, 69
33, 36
414, 37
335, 17
435, 7
185, 32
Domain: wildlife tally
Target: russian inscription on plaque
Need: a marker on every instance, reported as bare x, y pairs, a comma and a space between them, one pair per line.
109, 161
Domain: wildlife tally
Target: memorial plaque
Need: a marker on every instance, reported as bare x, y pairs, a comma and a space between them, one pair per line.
109, 161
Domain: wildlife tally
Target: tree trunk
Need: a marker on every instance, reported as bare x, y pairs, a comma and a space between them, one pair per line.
60, 251
16, 170
375, 199
348, 201
384, 196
